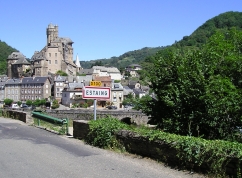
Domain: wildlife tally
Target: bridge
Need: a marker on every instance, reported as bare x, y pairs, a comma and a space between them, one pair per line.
88, 114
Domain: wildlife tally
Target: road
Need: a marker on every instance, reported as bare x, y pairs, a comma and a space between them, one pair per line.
27, 151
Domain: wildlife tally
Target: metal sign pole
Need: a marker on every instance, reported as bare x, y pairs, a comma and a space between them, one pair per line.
95, 112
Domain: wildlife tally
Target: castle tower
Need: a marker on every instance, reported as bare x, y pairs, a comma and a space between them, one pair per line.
52, 33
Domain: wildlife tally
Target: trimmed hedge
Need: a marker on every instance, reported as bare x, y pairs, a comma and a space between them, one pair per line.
218, 157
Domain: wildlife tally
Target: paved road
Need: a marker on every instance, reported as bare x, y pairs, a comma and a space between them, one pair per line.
29, 152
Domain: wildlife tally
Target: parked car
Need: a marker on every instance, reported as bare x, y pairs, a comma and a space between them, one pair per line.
112, 107
15, 106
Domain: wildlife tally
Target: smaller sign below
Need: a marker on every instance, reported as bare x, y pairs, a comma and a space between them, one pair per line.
91, 92
95, 83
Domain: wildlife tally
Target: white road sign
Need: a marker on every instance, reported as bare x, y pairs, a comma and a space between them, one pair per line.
90, 92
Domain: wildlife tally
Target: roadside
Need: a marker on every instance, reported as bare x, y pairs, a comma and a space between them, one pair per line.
126, 163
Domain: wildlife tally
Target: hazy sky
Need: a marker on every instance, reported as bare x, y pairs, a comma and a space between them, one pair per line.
105, 28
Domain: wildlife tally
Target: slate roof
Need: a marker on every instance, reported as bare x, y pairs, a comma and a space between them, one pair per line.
22, 61
86, 71
73, 86
38, 56
63, 40
60, 78
13, 81
33, 80
127, 90
117, 86
86, 78
106, 69
16, 55
138, 91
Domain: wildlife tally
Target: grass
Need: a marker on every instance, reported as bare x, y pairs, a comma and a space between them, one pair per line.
60, 129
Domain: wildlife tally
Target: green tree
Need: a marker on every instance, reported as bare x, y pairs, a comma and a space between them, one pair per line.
8, 101
39, 102
198, 93
29, 102
61, 73
19, 103
55, 104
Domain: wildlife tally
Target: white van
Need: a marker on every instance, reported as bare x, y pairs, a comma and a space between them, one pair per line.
15, 106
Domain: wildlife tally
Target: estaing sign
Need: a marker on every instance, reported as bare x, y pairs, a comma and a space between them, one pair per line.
91, 92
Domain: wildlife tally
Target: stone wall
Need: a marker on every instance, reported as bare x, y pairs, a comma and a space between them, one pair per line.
155, 149
14, 114
88, 114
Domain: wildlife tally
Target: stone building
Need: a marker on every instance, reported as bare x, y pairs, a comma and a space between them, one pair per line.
60, 82
3, 80
12, 89
17, 65
33, 88
56, 55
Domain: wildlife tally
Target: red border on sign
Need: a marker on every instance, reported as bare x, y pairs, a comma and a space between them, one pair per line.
89, 97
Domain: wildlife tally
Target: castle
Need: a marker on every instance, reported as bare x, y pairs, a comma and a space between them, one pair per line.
57, 55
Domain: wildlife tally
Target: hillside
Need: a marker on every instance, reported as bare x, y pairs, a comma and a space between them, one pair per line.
199, 37
136, 56
5, 51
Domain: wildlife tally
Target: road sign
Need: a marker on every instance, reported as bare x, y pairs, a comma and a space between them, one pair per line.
95, 83
91, 92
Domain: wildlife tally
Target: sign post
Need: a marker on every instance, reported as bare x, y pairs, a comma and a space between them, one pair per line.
91, 92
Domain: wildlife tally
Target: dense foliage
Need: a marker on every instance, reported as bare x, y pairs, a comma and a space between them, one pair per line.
102, 132
191, 152
5, 51
7, 101
198, 93
123, 60
200, 36
61, 73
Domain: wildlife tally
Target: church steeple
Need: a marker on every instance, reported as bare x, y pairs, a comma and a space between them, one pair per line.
77, 61
78, 65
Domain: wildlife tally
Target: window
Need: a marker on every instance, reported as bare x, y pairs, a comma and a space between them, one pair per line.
49, 61
46, 86
55, 54
46, 91
56, 62
16, 91
49, 54
57, 83
57, 89
61, 84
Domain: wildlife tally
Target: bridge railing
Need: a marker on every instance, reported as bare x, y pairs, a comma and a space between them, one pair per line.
53, 120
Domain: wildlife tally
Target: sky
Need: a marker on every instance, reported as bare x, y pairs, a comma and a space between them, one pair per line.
105, 28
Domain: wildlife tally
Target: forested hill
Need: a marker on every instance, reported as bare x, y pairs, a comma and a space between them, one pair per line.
223, 21
5, 51
199, 37
136, 56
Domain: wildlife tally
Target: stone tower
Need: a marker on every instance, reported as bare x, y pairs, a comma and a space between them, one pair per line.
52, 33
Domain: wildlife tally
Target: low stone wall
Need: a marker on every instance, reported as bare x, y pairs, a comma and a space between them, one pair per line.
14, 114
80, 129
155, 149
88, 114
